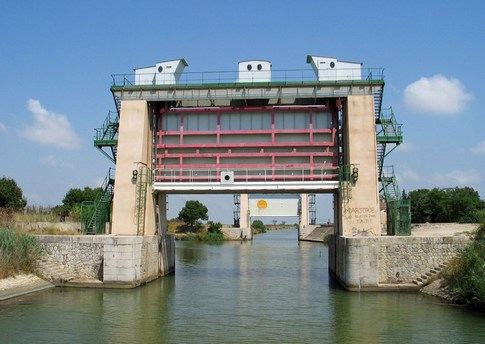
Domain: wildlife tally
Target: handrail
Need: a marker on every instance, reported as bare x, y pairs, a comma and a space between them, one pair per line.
234, 77
210, 175
107, 131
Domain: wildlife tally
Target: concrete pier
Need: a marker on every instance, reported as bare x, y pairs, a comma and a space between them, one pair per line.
106, 260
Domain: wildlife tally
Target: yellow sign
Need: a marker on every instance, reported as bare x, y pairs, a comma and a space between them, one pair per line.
262, 204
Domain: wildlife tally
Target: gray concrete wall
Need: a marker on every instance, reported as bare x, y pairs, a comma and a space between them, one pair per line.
371, 263
315, 232
236, 233
124, 261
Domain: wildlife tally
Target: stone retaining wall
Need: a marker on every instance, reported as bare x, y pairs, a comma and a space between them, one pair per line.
78, 254
402, 259
361, 263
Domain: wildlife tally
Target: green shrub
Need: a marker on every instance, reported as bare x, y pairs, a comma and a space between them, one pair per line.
258, 227
465, 275
75, 213
18, 252
214, 227
213, 237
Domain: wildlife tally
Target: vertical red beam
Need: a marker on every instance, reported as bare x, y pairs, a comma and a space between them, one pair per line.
312, 165
310, 124
273, 162
272, 126
218, 128
334, 106
334, 122
181, 137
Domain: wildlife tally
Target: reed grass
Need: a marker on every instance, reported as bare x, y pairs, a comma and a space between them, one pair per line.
18, 252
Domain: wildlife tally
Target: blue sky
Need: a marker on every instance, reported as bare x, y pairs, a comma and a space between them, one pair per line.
56, 59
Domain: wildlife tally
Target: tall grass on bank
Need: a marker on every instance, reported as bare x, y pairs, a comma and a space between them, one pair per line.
18, 252
203, 237
466, 273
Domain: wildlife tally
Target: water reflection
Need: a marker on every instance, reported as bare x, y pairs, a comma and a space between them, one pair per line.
270, 290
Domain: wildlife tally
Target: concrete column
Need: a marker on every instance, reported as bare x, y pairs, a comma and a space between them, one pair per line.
244, 217
359, 213
134, 150
244, 211
162, 213
304, 219
304, 226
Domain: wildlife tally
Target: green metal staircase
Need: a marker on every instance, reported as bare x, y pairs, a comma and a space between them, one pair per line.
94, 215
398, 208
106, 137
378, 94
389, 136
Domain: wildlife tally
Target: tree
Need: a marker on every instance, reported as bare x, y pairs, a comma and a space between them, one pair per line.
192, 212
446, 205
11, 195
77, 196
258, 227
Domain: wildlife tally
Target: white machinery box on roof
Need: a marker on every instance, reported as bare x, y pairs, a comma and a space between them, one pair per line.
163, 73
254, 71
329, 68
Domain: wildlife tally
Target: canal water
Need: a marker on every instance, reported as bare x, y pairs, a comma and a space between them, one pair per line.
271, 290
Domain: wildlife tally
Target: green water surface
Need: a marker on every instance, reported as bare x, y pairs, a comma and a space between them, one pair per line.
271, 290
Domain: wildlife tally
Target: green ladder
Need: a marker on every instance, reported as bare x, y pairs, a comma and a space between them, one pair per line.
94, 215
398, 208
142, 181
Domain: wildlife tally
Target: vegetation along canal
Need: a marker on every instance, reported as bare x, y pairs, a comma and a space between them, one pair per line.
269, 290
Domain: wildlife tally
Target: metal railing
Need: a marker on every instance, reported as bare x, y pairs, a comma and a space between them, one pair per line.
292, 76
109, 130
246, 174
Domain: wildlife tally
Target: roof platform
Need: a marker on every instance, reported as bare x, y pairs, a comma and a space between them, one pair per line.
217, 88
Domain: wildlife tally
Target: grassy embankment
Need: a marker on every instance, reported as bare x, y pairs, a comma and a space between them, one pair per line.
465, 275
33, 222
18, 252
211, 232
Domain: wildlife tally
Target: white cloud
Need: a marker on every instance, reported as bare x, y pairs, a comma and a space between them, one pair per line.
3, 128
479, 149
52, 161
458, 178
50, 128
437, 95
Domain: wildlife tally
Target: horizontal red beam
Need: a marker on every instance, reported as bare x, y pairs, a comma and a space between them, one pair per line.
245, 132
246, 155
248, 144
306, 108
267, 166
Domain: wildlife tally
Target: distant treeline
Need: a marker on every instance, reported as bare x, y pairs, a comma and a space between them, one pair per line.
446, 205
